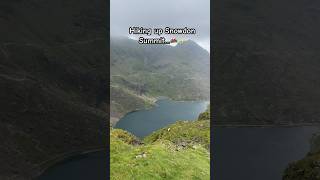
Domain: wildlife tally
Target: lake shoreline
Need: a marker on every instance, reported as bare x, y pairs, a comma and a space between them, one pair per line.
45, 165
154, 104
265, 150
166, 111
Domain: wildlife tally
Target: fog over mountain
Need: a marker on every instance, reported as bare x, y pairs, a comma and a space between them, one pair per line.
167, 13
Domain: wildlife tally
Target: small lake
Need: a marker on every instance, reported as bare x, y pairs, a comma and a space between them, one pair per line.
253, 153
144, 122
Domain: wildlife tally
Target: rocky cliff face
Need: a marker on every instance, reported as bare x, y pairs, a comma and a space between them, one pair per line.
266, 62
53, 82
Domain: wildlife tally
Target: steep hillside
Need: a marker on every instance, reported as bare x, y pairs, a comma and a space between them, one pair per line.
53, 82
179, 151
266, 61
145, 72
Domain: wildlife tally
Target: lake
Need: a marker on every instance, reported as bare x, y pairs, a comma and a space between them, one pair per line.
90, 166
93, 166
255, 153
246, 153
144, 122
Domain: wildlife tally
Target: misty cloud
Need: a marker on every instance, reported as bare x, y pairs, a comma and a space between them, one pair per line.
161, 14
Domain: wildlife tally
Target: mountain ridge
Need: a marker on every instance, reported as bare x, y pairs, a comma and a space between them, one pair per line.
151, 71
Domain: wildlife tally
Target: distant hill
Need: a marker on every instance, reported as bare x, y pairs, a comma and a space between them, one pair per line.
141, 73
266, 62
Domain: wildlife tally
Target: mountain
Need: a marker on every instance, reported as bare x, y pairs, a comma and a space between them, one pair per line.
53, 82
178, 151
142, 73
266, 62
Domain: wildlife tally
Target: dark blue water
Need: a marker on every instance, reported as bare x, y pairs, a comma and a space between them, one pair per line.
249, 153
91, 166
258, 153
144, 122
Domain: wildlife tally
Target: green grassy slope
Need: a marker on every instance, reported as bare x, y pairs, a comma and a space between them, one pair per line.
184, 134
179, 151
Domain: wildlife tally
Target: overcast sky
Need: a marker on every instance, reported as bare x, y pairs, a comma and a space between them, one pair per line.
160, 14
